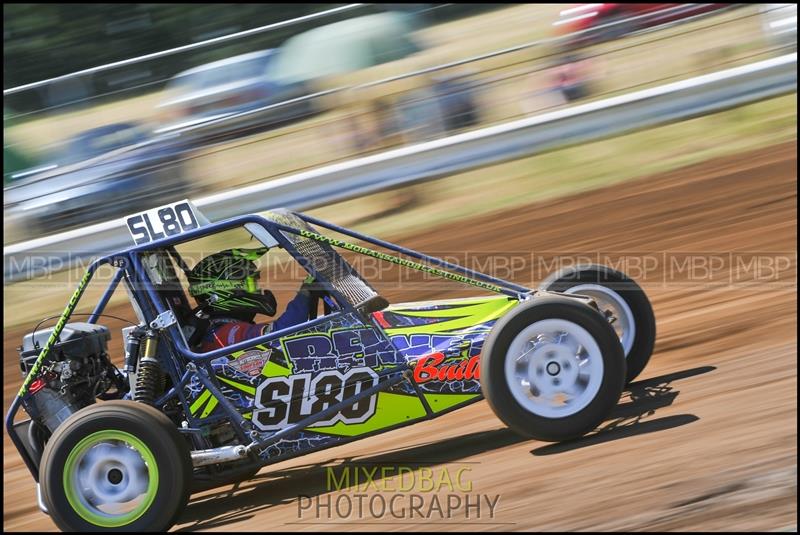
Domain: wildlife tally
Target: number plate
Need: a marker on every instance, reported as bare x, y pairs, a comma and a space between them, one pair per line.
162, 222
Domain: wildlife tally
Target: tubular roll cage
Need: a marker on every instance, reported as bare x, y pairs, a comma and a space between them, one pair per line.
130, 268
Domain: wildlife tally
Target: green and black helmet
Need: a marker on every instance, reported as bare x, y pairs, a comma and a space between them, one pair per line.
225, 284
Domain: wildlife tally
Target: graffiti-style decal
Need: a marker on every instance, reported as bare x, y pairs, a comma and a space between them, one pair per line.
316, 366
339, 349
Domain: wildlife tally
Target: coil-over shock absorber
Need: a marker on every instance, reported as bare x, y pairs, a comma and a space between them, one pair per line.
150, 378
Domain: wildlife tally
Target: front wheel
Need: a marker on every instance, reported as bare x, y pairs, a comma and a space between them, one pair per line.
552, 369
115, 466
619, 298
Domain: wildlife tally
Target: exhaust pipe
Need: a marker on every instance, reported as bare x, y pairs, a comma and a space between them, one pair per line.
224, 454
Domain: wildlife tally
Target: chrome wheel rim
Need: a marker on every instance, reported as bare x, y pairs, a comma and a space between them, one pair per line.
610, 301
110, 478
554, 368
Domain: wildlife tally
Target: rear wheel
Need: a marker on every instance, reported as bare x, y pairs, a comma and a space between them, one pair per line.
617, 297
552, 369
116, 466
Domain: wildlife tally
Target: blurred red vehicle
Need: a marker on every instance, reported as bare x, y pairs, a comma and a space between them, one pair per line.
588, 24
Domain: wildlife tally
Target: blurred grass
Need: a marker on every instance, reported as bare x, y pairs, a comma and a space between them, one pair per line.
502, 187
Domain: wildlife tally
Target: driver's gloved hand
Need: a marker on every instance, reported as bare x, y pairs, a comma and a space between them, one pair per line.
310, 285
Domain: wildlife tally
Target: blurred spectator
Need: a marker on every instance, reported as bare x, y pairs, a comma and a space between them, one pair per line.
419, 115
571, 77
568, 79
386, 130
455, 93
432, 109
357, 137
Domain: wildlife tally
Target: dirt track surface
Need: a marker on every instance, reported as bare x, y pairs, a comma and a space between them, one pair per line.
705, 440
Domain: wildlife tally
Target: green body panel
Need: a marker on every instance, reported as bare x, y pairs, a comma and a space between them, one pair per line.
453, 317
470, 312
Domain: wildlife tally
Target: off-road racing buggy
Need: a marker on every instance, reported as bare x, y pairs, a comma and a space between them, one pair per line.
122, 448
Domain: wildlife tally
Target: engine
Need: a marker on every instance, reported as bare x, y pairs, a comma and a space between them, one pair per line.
76, 372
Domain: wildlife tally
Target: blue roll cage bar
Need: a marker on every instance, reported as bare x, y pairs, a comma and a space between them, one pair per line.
130, 269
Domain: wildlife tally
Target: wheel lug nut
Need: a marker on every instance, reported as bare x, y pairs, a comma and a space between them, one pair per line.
114, 476
553, 368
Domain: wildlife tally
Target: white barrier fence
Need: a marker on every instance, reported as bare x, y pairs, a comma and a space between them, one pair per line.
434, 159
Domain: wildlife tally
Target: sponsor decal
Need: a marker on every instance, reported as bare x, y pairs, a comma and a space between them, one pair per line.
400, 261
452, 345
432, 368
339, 349
250, 363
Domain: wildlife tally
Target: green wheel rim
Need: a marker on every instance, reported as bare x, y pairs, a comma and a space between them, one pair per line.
76, 494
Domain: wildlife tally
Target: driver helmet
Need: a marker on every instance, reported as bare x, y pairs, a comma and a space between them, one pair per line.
225, 284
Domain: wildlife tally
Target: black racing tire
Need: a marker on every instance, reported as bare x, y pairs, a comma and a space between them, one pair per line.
144, 431
552, 427
638, 354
